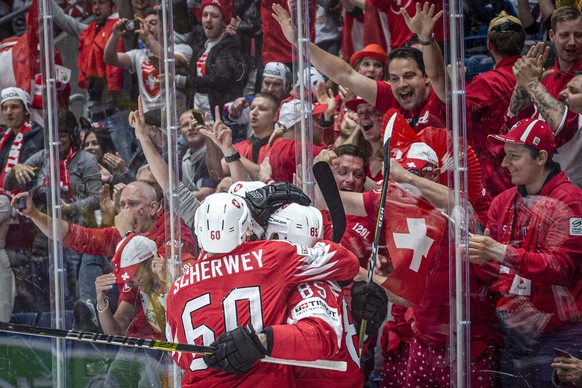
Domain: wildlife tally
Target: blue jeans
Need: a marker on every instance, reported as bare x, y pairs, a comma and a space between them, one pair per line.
122, 134
7, 287
526, 359
92, 267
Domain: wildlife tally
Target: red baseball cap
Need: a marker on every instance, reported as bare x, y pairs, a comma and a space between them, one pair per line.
532, 132
226, 8
354, 103
372, 50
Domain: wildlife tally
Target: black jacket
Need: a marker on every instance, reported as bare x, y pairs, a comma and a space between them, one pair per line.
227, 72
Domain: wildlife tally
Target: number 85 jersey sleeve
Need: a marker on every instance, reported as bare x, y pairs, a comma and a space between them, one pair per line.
250, 284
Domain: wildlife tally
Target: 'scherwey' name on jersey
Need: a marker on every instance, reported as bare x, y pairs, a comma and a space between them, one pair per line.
221, 266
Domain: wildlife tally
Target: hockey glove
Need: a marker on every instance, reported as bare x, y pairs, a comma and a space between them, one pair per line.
264, 201
237, 350
369, 302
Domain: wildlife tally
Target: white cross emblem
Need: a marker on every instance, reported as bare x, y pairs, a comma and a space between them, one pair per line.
151, 82
125, 276
410, 164
416, 239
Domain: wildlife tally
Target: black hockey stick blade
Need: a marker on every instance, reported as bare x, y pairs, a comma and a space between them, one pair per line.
379, 220
326, 182
119, 340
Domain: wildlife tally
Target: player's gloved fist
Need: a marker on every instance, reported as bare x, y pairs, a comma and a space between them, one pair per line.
237, 350
265, 200
369, 302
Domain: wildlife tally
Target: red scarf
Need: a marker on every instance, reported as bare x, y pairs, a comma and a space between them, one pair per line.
90, 61
14, 154
65, 175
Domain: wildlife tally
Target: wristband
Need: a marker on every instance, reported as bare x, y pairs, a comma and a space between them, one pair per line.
232, 158
104, 308
426, 42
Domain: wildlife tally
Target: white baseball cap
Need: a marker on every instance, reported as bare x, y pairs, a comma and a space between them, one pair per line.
419, 155
130, 252
290, 112
278, 70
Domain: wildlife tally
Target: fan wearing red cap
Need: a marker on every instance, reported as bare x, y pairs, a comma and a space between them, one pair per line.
529, 146
370, 62
534, 237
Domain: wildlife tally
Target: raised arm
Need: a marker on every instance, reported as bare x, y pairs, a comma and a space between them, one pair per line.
527, 69
221, 136
110, 54
437, 194
528, 73
331, 66
422, 24
41, 220
67, 23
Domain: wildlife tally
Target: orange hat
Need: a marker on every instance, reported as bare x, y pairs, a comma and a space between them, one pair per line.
372, 50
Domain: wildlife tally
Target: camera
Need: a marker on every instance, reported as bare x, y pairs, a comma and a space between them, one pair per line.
20, 203
131, 25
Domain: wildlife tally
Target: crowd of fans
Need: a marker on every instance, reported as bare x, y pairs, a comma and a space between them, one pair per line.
374, 66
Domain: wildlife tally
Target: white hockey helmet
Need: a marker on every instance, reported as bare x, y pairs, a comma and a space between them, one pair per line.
295, 223
240, 188
221, 222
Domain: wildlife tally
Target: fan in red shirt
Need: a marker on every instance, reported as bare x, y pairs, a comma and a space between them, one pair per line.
425, 284
408, 89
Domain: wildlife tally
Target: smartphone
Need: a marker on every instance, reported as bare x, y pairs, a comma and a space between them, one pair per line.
198, 117
562, 353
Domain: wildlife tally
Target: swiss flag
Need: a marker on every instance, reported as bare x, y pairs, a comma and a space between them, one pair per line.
414, 230
24, 50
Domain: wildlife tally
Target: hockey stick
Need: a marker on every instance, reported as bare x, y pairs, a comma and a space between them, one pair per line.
145, 343
376, 245
119, 340
329, 190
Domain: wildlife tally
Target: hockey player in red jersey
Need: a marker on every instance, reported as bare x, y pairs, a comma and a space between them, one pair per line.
235, 298
321, 299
